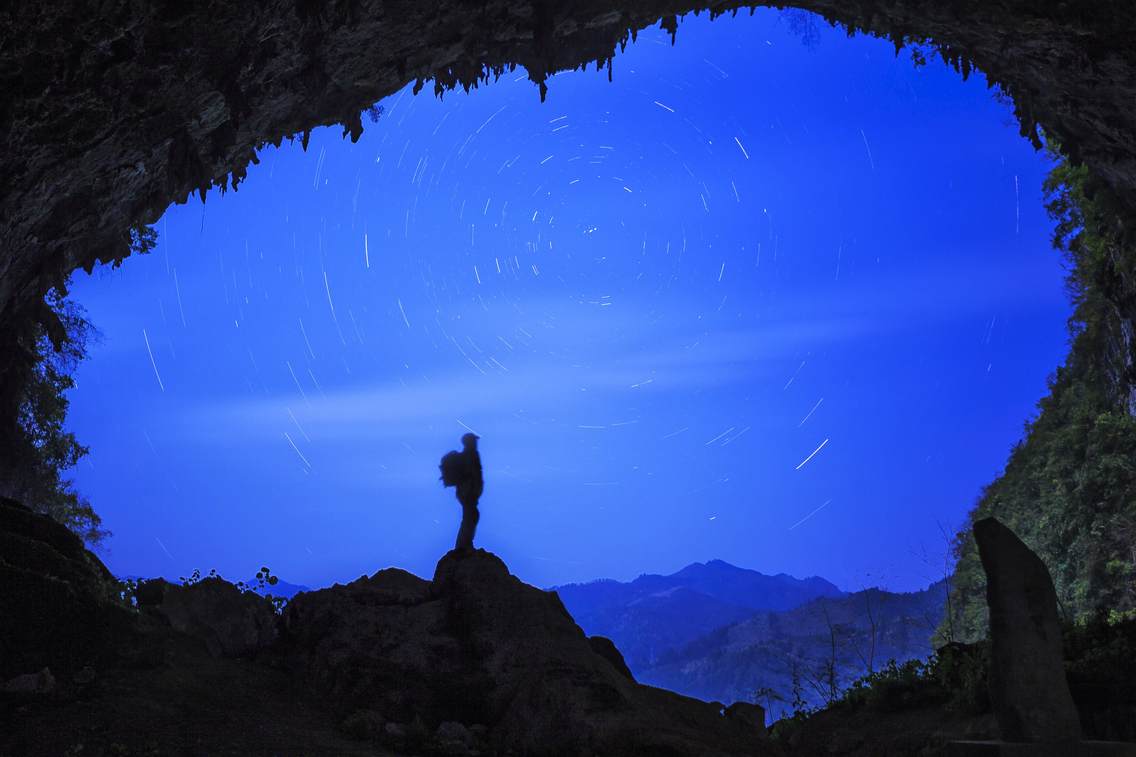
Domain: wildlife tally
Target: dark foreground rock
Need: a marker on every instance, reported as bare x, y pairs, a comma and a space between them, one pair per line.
1028, 688
230, 622
472, 662
478, 649
606, 649
82, 673
57, 605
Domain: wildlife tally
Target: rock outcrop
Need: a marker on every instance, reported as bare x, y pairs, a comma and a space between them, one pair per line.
1028, 688
477, 647
57, 607
30, 684
473, 660
606, 649
230, 622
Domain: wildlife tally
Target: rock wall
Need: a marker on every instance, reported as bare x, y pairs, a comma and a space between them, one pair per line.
57, 603
107, 118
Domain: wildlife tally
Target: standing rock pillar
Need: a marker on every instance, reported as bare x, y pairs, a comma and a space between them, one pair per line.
1028, 688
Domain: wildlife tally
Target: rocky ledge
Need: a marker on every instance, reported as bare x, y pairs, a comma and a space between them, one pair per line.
472, 662
57, 600
477, 647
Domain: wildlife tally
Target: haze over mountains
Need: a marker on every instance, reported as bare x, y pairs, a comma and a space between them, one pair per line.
719, 632
654, 614
278, 589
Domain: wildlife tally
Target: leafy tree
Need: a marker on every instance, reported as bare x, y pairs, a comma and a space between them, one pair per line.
49, 343
44, 449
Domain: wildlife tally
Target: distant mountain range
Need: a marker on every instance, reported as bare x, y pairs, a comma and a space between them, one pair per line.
655, 615
722, 633
279, 589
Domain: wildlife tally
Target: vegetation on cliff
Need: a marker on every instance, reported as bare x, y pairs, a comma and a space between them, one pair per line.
1069, 487
43, 449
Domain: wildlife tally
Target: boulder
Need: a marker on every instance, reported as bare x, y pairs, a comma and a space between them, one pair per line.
606, 649
30, 684
58, 605
149, 592
747, 714
1028, 688
375, 643
476, 645
364, 724
454, 738
230, 622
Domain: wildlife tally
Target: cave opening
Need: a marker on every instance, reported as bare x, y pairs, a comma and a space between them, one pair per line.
772, 295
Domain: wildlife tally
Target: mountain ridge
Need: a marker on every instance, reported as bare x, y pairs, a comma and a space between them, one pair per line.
783, 655
654, 613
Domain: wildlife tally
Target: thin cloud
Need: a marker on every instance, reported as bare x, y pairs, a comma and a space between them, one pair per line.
539, 386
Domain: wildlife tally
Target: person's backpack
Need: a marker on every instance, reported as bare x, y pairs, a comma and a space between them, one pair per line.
451, 467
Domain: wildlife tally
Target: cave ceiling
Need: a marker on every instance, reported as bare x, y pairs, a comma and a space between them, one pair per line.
107, 119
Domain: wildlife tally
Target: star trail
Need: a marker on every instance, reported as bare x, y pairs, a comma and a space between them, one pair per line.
777, 301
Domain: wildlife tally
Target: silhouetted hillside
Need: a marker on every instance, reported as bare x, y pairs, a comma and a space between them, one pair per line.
471, 662
786, 654
654, 615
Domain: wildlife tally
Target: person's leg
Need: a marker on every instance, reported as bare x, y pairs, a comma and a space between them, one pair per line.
465, 531
471, 515
464, 539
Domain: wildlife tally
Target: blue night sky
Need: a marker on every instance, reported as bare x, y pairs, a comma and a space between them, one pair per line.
655, 299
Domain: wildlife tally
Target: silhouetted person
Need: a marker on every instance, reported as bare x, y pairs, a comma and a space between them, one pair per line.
463, 470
